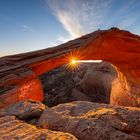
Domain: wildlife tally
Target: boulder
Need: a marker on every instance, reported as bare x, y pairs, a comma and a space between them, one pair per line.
14, 129
97, 82
88, 121
24, 110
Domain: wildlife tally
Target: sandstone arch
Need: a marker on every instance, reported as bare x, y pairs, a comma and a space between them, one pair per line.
18, 73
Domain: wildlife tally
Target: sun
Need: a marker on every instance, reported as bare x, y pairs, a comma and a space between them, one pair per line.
74, 60
71, 60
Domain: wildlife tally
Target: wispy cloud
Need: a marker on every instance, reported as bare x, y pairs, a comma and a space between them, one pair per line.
79, 17
27, 27
63, 39
15, 23
125, 15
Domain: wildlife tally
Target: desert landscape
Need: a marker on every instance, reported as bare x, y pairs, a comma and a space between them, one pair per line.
69, 70
98, 101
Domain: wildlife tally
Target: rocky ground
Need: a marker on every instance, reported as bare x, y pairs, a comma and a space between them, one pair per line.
73, 109
16, 123
92, 82
83, 120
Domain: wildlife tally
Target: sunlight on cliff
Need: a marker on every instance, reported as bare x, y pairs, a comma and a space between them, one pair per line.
76, 63
74, 59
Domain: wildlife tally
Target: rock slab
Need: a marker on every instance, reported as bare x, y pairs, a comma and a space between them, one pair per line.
24, 110
93, 121
14, 129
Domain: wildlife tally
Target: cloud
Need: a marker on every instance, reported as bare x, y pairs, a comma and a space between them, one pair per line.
127, 22
27, 27
79, 17
70, 24
16, 23
63, 39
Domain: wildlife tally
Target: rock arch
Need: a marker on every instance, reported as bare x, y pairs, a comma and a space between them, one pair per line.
19, 73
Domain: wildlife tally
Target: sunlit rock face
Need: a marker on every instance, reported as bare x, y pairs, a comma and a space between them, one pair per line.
13, 129
121, 48
93, 121
125, 93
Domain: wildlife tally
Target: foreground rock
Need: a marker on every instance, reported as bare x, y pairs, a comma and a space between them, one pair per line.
93, 121
25, 110
13, 129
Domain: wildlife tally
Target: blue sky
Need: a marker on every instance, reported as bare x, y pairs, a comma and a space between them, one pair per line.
27, 25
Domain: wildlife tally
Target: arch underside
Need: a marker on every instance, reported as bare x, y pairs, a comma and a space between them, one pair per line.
19, 73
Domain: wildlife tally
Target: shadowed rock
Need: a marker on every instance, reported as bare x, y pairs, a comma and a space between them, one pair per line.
88, 121
91, 82
25, 110
97, 82
14, 129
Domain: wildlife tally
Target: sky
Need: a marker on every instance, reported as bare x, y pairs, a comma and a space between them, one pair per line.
28, 25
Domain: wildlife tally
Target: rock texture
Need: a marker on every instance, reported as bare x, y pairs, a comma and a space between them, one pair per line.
97, 82
88, 121
91, 82
19, 73
14, 129
25, 110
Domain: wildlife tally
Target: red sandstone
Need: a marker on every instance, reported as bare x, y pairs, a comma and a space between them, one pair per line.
19, 73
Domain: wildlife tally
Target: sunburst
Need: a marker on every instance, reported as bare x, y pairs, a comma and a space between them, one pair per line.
71, 60
74, 59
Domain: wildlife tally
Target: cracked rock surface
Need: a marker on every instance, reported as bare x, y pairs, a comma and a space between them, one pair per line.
14, 129
88, 121
24, 110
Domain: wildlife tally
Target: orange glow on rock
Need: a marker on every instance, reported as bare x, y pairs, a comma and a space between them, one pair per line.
32, 89
71, 59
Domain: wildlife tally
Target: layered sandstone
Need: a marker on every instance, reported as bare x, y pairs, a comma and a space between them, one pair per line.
14, 129
19, 73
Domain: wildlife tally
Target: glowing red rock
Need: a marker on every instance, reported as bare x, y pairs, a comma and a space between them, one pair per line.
121, 48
